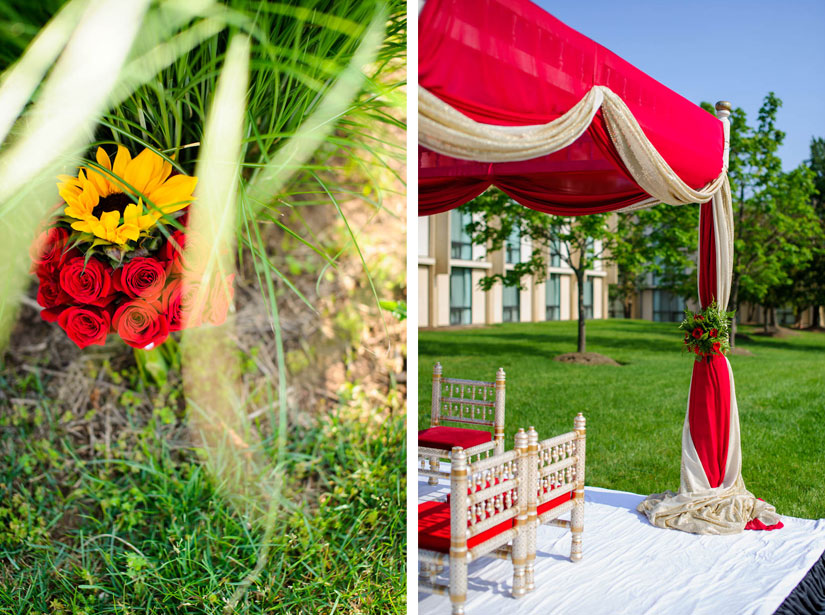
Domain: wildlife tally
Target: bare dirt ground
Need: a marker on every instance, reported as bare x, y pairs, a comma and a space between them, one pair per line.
585, 358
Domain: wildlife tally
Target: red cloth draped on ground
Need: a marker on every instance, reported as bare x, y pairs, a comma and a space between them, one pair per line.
510, 63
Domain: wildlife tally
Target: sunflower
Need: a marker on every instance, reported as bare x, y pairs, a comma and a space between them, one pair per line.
109, 204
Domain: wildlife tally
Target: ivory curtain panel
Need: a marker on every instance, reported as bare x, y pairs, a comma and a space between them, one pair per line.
510, 96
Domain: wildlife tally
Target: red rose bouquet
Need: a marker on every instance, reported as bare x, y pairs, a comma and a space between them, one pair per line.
707, 332
109, 265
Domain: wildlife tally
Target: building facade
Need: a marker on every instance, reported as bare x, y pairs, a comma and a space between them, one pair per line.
450, 267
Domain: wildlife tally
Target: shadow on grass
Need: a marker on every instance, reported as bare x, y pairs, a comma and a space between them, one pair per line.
546, 345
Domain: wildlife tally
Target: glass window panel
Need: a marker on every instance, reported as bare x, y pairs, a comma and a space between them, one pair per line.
513, 247
461, 247
588, 297
461, 296
552, 293
510, 300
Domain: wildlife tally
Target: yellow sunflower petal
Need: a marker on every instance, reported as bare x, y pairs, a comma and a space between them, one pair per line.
174, 194
71, 180
89, 197
103, 158
68, 193
99, 182
122, 161
77, 211
142, 168
126, 232
132, 212
148, 221
159, 176
110, 219
83, 226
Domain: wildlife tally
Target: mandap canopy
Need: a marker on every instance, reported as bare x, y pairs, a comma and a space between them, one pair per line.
509, 96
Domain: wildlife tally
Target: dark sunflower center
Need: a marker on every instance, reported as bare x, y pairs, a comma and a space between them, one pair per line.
114, 202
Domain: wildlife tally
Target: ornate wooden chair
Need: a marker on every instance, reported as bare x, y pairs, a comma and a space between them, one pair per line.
556, 487
487, 510
467, 402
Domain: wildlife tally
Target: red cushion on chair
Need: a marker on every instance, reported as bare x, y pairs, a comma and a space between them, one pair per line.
543, 508
447, 437
434, 528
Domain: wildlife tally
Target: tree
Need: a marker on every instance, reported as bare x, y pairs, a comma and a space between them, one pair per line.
773, 217
808, 288
657, 239
661, 240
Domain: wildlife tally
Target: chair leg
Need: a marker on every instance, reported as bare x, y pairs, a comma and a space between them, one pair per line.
458, 585
519, 564
529, 579
434, 465
576, 529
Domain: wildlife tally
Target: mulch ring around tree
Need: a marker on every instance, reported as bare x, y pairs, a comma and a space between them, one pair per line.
585, 358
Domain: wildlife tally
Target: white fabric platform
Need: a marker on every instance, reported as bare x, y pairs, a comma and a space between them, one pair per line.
632, 567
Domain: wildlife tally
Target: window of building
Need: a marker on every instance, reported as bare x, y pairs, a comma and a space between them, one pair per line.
555, 253
424, 236
461, 246
785, 316
588, 297
461, 296
667, 307
616, 308
552, 293
512, 248
510, 301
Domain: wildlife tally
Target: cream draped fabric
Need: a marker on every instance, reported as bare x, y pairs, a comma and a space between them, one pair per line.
697, 507
448, 131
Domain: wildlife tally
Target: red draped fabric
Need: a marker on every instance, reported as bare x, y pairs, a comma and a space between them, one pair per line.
709, 415
709, 402
510, 63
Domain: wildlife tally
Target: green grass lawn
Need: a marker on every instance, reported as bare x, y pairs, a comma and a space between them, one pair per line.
142, 527
635, 411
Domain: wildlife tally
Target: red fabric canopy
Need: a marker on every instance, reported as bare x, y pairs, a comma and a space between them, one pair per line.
508, 62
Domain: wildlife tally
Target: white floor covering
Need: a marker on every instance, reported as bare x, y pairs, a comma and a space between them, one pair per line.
630, 566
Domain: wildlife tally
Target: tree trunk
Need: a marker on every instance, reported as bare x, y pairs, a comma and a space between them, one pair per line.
628, 308
815, 318
733, 306
580, 280
766, 319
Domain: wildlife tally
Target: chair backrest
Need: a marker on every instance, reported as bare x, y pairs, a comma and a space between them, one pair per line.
558, 468
470, 402
487, 493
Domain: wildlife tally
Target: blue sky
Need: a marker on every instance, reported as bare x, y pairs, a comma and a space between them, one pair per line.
735, 50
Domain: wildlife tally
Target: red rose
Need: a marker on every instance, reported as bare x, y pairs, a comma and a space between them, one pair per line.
170, 251
140, 324
697, 333
194, 256
171, 305
696, 349
220, 297
714, 332
85, 325
48, 248
49, 293
87, 282
717, 348
700, 317
141, 278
